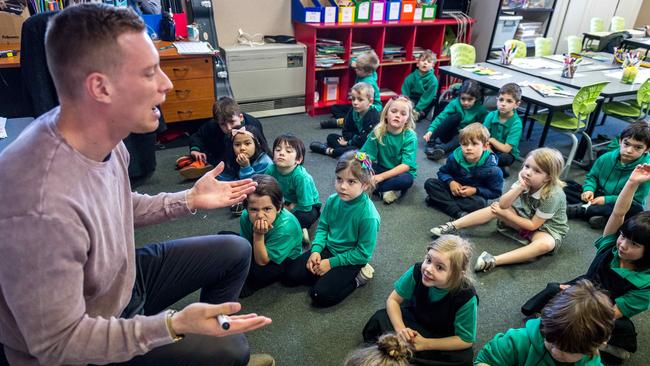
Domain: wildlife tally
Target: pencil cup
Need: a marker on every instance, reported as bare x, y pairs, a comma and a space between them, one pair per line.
629, 74
568, 71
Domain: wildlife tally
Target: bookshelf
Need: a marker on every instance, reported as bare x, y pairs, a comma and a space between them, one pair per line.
428, 34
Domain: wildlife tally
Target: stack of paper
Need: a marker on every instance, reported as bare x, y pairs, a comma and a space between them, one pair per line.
328, 52
394, 53
357, 49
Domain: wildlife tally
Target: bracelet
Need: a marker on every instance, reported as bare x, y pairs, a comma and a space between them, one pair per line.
170, 329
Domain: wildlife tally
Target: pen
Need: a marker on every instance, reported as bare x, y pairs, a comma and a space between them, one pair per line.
224, 321
8, 53
166, 47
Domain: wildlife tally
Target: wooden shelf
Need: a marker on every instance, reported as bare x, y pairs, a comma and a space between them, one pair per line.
337, 67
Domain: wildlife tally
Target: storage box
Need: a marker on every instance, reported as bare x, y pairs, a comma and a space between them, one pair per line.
329, 12
10, 26
362, 11
306, 11
377, 10
505, 30
346, 14
408, 10
417, 16
330, 88
429, 12
393, 10
180, 19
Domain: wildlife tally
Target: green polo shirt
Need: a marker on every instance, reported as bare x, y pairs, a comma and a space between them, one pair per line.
297, 187
283, 241
634, 301
426, 86
372, 80
394, 150
508, 132
465, 320
475, 114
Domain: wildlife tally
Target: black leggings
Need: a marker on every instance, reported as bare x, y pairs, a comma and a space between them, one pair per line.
573, 191
307, 218
446, 135
441, 197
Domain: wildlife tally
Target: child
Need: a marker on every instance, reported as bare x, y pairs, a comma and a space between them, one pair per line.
608, 176
273, 232
421, 86
469, 178
537, 220
392, 147
365, 67
345, 238
466, 108
298, 187
505, 126
440, 319
359, 122
390, 350
572, 327
621, 267
209, 145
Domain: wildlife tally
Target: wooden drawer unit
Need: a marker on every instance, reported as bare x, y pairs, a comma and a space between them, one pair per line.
193, 93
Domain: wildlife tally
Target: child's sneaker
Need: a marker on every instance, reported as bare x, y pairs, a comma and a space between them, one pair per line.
305, 237
436, 154
598, 222
485, 262
574, 211
318, 147
331, 123
365, 274
390, 196
444, 229
506, 171
261, 359
615, 351
195, 170
237, 209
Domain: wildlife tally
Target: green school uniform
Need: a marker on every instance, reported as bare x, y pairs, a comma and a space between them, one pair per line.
465, 320
348, 229
425, 86
283, 241
297, 187
508, 132
552, 209
523, 347
394, 150
608, 176
475, 114
372, 80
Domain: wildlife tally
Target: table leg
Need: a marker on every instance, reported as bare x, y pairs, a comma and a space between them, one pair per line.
547, 125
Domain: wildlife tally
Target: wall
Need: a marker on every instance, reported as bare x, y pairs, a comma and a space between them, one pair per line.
268, 17
644, 14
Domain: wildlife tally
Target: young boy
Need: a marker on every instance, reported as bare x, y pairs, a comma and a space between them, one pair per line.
607, 177
421, 86
469, 178
505, 127
365, 67
572, 327
359, 122
208, 144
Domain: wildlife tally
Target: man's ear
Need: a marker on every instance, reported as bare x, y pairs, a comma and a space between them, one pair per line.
98, 87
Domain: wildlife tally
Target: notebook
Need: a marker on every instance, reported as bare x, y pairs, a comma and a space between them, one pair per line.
193, 48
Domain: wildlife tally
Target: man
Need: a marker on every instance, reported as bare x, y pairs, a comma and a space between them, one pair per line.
73, 290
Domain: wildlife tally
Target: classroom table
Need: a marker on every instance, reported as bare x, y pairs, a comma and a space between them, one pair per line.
505, 76
632, 43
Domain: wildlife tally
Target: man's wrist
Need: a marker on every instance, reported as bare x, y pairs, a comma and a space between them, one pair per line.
169, 321
189, 200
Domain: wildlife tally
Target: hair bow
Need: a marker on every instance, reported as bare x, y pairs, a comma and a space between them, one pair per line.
363, 158
236, 131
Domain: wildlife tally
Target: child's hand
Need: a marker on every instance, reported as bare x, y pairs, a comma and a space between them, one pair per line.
587, 196
342, 141
598, 201
427, 136
198, 156
289, 206
522, 182
407, 334
455, 188
467, 191
261, 226
641, 174
564, 287
377, 178
313, 262
497, 210
242, 160
323, 267
418, 342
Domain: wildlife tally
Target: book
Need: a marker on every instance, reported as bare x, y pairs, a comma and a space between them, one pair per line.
193, 48
546, 90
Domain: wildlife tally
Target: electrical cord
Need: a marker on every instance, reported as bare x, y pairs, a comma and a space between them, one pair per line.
256, 39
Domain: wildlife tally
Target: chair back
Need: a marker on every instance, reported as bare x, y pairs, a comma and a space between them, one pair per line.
618, 24
643, 98
462, 54
574, 44
543, 46
521, 47
585, 101
596, 25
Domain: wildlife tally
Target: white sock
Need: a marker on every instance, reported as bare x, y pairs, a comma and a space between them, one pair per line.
3, 131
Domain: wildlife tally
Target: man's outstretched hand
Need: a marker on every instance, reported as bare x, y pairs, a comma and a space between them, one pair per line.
209, 193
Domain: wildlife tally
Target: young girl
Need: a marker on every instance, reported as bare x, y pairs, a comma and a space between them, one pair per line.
390, 350
538, 218
392, 147
359, 122
621, 267
298, 187
440, 319
273, 232
345, 238
467, 108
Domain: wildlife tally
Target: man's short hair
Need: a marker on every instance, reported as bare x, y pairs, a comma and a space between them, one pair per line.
474, 132
82, 39
224, 109
513, 89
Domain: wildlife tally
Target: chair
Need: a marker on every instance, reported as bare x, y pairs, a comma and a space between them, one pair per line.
521, 47
618, 24
462, 54
630, 110
574, 44
543, 46
583, 105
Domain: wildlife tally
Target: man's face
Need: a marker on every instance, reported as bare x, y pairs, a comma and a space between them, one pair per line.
138, 85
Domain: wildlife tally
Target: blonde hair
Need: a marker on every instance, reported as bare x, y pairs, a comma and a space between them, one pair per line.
364, 89
367, 62
474, 132
459, 252
551, 162
380, 129
390, 350
428, 55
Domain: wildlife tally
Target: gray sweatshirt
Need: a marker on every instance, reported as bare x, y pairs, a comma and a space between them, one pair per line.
67, 252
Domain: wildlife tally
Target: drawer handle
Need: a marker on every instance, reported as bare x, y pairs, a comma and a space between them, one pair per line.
189, 112
182, 93
179, 70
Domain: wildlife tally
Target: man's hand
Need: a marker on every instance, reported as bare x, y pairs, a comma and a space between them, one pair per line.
455, 188
242, 160
313, 262
199, 156
342, 141
201, 318
587, 196
427, 136
209, 193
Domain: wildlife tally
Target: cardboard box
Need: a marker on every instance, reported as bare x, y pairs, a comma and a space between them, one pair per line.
306, 11
377, 10
11, 25
330, 88
393, 10
362, 12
